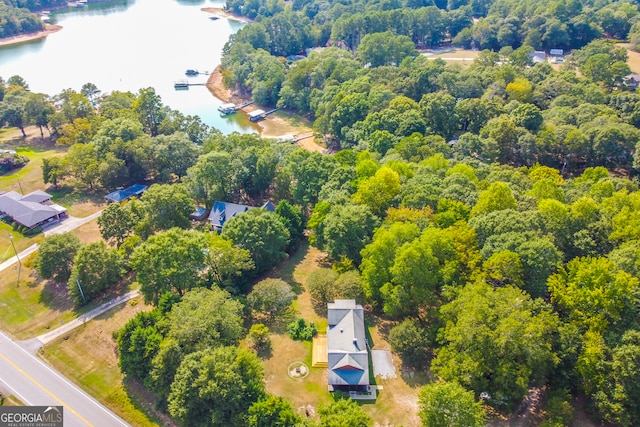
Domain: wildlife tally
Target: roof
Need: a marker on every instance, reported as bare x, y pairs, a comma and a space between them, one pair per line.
633, 76
27, 212
37, 196
256, 113
348, 358
223, 211
126, 194
556, 52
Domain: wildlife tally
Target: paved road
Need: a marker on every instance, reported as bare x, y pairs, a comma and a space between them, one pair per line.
35, 383
70, 223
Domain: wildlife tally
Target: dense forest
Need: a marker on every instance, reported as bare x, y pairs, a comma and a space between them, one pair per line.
487, 212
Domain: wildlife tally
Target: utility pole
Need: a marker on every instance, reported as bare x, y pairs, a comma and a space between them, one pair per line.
17, 257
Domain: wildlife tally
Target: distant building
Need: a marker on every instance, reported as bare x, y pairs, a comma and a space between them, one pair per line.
631, 81
198, 214
538, 56
30, 210
129, 192
556, 55
348, 356
224, 211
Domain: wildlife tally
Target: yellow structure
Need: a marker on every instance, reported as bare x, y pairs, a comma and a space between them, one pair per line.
319, 355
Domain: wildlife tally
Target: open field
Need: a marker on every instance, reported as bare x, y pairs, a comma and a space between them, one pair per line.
87, 356
28, 178
634, 57
461, 57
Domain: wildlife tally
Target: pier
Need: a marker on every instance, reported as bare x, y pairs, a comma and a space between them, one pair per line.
257, 115
231, 108
184, 84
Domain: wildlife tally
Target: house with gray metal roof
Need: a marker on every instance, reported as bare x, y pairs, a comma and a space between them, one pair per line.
224, 211
30, 210
348, 355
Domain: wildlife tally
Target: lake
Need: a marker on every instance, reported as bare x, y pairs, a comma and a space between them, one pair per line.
127, 45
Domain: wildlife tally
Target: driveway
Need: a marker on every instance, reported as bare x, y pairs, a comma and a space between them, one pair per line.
382, 361
68, 224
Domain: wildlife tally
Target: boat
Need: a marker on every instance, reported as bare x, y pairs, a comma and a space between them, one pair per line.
192, 72
228, 108
181, 84
214, 17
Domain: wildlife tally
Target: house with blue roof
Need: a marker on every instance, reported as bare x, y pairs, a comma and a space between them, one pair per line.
221, 212
118, 196
348, 354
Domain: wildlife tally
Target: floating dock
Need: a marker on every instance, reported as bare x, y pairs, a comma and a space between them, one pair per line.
181, 84
230, 108
257, 115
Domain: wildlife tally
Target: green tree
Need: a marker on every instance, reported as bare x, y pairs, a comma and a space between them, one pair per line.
497, 197
448, 404
213, 177
496, 341
95, 269
594, 294
321, 285
344, 412
170, 261
438, 109
227, 266
205, 318
54, 259
173, 155
412, 342
150, 110
273, 411
216, 387
270, 297
138, 342
377, 192
291, 217
347, 230
116, 223
167, 206
262, 234
259, 338
385, 48
378, 256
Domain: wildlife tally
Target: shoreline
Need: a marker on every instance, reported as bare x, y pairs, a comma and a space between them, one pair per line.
23, 38
224, 14
272, 127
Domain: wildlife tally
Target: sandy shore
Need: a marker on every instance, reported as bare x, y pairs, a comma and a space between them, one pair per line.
48, 29
273, 126
221, 13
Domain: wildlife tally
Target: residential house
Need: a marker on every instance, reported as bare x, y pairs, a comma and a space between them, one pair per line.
348, 355
224, 211
129, 192
631, 81
30, 210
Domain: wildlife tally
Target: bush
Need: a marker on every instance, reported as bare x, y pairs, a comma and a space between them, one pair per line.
300, 330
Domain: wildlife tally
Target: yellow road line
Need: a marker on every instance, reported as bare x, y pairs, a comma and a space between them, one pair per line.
84, 420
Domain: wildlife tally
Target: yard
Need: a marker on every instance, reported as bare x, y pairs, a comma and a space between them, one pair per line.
33, 306
87, 356
397, 400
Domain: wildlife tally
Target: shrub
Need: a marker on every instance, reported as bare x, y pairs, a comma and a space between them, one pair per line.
300, 330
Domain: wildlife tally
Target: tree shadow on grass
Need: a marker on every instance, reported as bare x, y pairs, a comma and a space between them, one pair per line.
285, 270
146, 402
55, 296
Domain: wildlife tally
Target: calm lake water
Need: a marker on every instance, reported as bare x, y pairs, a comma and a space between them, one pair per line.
127, 45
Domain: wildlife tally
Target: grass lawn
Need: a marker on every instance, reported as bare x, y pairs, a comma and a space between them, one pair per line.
87, 357
34, 306
20, 241
29, 178
397, 401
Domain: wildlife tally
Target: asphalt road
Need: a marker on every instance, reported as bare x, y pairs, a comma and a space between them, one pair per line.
35, 383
